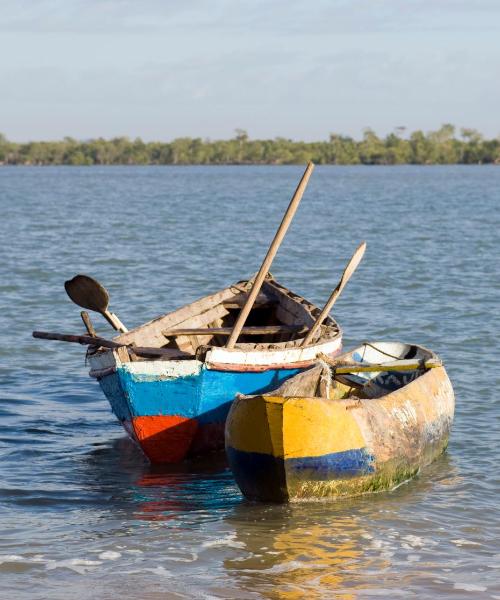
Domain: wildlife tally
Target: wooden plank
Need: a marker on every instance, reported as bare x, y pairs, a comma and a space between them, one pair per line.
188, 344
123, 354
292, 309
150, 333
252, 330
239, 301
167, 353
184, 343
203, 319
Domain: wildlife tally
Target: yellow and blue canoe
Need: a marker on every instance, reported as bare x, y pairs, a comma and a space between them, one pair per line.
328, 432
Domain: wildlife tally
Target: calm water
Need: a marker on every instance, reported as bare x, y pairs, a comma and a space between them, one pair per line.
81, 512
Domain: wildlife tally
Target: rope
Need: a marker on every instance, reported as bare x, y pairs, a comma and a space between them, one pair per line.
327, 374
381, 351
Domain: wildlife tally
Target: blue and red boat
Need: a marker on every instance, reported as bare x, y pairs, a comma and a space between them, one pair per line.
176, 404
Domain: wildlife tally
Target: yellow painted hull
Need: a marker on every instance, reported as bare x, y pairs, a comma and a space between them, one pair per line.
285, 448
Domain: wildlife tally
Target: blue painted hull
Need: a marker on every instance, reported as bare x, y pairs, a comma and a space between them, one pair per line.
172, 417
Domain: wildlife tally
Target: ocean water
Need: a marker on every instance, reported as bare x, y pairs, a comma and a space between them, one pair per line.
83, 515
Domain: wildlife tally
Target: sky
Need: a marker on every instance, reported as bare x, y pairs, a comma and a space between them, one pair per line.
161, 69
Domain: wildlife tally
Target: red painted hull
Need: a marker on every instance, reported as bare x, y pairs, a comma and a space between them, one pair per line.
170, 439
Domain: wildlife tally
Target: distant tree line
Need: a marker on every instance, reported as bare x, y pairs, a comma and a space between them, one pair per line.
443, 146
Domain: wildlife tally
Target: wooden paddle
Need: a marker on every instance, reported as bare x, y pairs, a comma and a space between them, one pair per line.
271, 253
89, 340
395, 365
346, 275
89, 293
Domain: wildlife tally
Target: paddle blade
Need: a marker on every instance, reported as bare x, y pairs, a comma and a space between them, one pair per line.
87, 293
346, 275
352, 265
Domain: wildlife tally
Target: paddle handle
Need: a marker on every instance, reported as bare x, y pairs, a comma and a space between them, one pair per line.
88, 323
346, 275
114, 321
271, 253
88, 340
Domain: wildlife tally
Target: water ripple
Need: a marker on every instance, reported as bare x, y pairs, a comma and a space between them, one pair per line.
81, 509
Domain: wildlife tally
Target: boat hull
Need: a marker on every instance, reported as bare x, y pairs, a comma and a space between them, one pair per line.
178, 408
173, 395
182, 410
306, 448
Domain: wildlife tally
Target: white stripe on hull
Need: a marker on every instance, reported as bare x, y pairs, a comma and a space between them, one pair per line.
216, 358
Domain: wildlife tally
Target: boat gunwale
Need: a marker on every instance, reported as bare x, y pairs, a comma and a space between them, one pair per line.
353, 402
101, 367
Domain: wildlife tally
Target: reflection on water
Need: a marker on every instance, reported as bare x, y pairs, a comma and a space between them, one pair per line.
297, 555
164, 490
82, 513
321, 548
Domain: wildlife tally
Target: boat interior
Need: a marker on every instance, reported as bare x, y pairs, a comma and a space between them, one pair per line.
278, 319
322, 381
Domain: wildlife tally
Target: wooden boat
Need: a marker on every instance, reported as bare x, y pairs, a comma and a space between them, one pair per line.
330, 431
174, 402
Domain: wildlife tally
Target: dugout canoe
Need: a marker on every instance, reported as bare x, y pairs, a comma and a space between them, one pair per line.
175, 405
323, 434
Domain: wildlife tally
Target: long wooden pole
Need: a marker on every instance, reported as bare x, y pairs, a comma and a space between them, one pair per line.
346, 275
271, 253
395, 365
89, 340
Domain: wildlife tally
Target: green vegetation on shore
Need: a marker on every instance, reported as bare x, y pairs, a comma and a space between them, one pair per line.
436, 147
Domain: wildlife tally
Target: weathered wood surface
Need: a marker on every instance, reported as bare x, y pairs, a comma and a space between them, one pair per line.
292, 308
257, 330
271, 253
307, 444
238, 301
190, 342
101, 342
210, 312
150, 333
88, 323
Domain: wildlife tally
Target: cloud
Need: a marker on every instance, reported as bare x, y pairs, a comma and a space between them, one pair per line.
167, 68
283, 17
95, 16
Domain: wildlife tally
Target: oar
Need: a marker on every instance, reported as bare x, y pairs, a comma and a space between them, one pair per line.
99, 341
271, 253
346, 275
89, 293
395, 365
